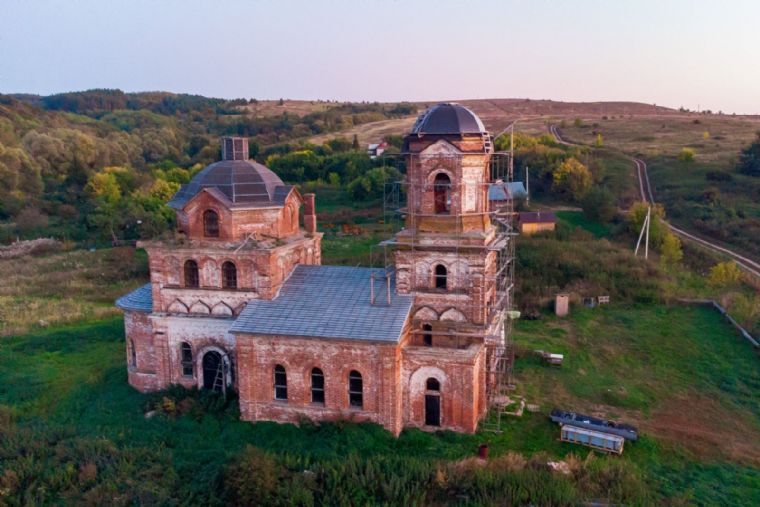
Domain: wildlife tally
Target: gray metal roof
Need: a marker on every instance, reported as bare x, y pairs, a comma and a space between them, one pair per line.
443, 119
537, 217
503, 191
244, 182
139, 300
328, 302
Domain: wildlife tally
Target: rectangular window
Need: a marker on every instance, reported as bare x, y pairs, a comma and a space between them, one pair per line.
280, 383
355, 396
317, 387
187, 360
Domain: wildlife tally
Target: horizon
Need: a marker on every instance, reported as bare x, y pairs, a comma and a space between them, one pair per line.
646, 53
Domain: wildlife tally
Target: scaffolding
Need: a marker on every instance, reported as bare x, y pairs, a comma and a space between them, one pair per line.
485, 294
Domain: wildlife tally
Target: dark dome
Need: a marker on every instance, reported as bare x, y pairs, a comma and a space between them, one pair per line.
244, 182
443, 119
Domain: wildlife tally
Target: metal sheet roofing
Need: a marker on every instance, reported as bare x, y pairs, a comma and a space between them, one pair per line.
328, 302
503, 191
139, 300
443, 119
537, 217
244, 182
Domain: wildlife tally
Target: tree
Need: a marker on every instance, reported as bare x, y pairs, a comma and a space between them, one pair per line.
31, 220
749, 159
105, 187
571, 178
724, 274
599, 204
670, 250
355, 143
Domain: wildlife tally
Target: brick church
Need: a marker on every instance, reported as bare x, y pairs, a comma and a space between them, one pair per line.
241, 301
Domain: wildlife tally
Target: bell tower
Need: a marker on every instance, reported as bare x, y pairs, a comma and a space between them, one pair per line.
450, 252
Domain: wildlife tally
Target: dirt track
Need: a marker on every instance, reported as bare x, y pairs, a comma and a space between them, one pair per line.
645, 189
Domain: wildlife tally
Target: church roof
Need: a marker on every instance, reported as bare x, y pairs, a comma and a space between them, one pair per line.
447, 119
244, 182
328, 302
139, 300
504, 190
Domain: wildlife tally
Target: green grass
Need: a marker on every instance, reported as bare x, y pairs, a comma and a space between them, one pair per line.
69, 385
578, 219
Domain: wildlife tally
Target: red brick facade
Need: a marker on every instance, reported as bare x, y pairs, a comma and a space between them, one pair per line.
432, 377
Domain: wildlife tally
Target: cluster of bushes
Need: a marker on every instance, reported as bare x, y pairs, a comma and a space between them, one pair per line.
56, 465
258, 478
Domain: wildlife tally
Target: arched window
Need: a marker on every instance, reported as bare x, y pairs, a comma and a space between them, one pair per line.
229, 275
432, 384
132, 354
280, 383
427, 335
442, 194
355, 390
210, 224
317, 386
187, 359
191, 274
440, 276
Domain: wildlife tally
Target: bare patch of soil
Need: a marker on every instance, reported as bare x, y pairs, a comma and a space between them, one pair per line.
702, 426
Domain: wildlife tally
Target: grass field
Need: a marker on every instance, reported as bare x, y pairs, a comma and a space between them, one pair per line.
66, 287
680, 373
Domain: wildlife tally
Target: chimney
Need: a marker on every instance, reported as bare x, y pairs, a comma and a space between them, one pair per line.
309, 214
234, 148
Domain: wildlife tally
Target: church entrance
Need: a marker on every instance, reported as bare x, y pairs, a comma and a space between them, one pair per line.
213, 371
432, 410
432, 402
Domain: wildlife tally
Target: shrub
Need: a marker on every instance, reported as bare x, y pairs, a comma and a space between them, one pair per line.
599, 205
252, 478
686, 155
749, 159
718, 176
724, 274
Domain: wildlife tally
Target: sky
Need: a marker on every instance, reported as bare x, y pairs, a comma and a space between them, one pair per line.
696, 54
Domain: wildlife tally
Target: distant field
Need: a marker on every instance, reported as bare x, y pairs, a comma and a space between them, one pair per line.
294, 107
715, 139
369, 133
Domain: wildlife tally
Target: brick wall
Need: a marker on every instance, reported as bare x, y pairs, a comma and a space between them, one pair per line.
378, 363
141, 366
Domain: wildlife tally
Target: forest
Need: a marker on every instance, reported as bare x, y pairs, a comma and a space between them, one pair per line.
100, 165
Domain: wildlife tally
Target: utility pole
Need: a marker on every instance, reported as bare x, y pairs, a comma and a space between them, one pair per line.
527, 186
644, 228
512, 150
646, 240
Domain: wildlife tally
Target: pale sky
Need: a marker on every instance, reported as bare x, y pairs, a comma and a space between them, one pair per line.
673, 53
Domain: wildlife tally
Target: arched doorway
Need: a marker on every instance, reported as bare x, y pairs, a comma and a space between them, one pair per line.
214, 371
432, 402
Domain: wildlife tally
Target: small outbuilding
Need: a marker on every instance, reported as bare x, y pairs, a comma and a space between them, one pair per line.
532, 222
